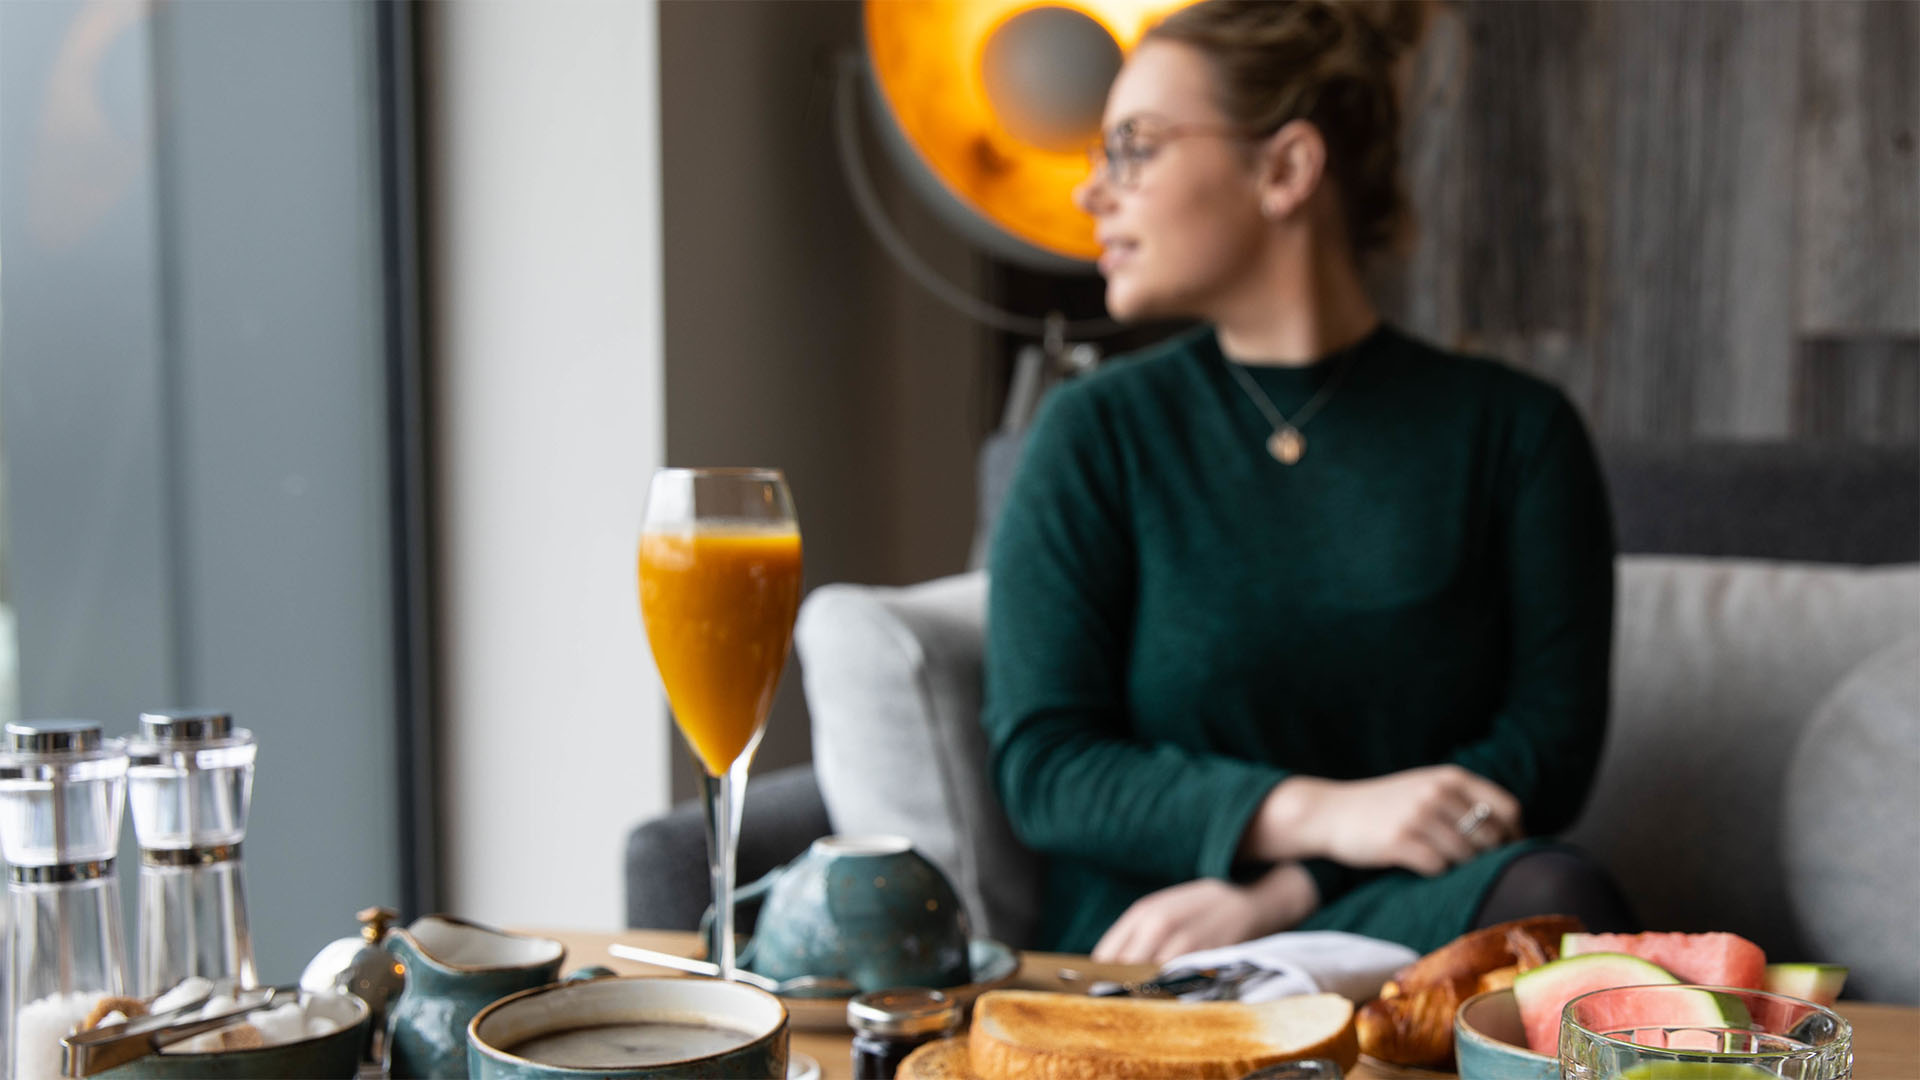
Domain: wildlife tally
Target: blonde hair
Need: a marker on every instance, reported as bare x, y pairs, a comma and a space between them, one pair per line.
1330, 63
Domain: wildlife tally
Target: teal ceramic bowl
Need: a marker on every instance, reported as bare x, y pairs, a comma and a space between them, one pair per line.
647, 1010
1490, 1044
333, 1056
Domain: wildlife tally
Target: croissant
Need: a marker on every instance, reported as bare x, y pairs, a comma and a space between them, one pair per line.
1410, 1028
1411, 1023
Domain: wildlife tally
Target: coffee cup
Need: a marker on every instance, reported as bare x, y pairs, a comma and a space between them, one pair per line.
635, 1028
869, 909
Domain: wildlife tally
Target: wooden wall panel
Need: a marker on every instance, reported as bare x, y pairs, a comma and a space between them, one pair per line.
1653, 204
1423, 289
1702, 282
1533, 207
1858, 390
1859, 209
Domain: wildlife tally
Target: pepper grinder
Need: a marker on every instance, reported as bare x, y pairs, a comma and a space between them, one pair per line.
190, 785
62, 792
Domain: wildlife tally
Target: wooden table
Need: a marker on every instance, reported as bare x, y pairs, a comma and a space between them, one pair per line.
1886, 1038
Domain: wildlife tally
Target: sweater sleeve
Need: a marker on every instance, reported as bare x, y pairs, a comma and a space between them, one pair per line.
1544, 744
1074, 778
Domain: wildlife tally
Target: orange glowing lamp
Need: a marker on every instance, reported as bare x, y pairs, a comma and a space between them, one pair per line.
988, 107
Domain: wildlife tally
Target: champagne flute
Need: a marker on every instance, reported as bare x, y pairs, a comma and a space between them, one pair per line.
719, 571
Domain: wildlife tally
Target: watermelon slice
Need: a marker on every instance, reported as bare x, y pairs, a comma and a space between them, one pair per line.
1708, 959
1818, 983
1542, 992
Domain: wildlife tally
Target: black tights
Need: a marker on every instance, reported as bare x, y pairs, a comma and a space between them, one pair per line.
1557, 881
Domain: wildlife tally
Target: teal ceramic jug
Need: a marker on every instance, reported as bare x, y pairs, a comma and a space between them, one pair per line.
454, 969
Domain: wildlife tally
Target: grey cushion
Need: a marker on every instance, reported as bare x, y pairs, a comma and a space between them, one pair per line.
1718, 666
893, 686
1851, 822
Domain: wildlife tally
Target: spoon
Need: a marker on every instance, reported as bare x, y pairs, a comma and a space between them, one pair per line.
798, 986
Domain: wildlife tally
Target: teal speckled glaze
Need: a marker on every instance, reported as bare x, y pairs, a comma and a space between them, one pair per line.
865, 908
333, 1056
1490, 1044
454, 969
758, 1016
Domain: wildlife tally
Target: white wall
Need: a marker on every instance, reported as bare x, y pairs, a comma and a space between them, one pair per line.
543, 200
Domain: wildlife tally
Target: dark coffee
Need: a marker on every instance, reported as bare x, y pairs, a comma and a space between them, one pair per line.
652, 1042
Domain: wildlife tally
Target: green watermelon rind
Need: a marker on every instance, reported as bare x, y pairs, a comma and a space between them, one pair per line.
1550, 982
1826, 981
1646, 972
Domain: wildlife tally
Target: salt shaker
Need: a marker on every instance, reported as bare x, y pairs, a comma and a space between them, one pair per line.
62, 792
190, 785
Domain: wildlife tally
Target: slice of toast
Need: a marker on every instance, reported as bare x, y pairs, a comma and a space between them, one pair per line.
1042, 1036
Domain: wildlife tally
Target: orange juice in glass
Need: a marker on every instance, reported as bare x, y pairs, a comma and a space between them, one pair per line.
719, 602
719, 576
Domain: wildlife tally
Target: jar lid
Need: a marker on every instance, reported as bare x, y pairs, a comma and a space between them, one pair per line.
52, 736
185, 725
906, 1010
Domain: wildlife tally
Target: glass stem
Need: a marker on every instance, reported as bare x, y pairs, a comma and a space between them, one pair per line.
725, 800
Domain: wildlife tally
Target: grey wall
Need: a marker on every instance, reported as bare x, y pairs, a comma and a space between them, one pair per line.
193, 349
790, 341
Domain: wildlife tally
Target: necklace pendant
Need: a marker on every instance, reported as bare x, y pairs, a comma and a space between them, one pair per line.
1287, 445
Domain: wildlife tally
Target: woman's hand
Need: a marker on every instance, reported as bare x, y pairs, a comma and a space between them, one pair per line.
1412, 819
1207, 913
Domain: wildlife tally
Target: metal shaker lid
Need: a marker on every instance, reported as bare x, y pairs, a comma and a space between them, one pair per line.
169, 726
52, 736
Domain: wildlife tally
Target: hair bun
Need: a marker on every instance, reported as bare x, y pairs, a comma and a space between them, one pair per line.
1397, 25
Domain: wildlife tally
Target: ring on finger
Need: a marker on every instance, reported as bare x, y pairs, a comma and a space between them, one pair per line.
1472, 820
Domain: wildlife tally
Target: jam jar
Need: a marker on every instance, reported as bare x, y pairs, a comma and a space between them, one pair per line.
889, 1024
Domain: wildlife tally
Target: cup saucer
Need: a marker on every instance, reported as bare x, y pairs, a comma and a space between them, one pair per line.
993, 964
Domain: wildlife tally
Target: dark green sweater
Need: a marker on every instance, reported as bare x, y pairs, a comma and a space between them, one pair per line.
1177, 621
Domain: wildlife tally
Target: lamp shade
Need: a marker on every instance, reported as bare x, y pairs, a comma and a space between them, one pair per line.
986, 107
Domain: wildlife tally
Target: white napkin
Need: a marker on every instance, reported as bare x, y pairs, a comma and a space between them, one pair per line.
1306, 962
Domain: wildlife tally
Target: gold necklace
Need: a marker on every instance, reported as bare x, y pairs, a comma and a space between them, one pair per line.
1287, 444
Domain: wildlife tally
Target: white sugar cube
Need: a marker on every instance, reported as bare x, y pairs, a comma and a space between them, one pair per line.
191, 988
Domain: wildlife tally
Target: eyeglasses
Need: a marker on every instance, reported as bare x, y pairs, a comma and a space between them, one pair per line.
1125, 150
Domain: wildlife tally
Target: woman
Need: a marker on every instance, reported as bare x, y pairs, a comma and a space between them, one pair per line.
1295, 621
